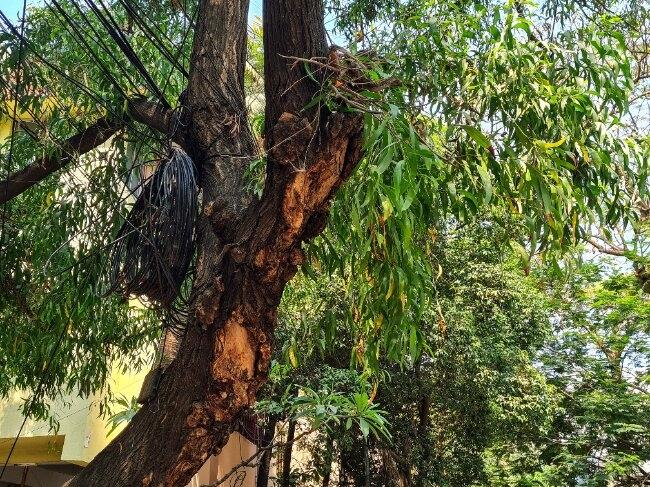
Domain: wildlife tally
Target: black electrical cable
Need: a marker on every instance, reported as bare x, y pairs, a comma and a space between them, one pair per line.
44, 127
122, 42
161, 32
81, 40
37, 392
179, 53
97, 97
154, 258
152, 35
181, 179
17, 94
102, 45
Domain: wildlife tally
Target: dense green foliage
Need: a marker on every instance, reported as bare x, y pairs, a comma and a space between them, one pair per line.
55, 238
597, 360
489, 114
525, 380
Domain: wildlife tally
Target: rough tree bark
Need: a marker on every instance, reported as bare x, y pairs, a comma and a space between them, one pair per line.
248, 249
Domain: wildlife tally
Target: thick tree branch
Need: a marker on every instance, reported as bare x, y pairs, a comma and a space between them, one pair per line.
215, 97
148, 113
292, 28
158, 118
92, 137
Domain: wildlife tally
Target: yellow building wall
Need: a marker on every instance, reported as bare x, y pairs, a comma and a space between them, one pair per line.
5, 130
81, 434
7, 112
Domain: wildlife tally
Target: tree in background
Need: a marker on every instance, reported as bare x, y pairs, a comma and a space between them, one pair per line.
526, 380
472, 388
598, 362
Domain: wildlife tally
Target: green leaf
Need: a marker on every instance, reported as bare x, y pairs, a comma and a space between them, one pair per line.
487, 183
477, 136
365, 428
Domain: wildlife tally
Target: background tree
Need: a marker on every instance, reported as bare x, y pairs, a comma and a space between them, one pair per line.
598, 361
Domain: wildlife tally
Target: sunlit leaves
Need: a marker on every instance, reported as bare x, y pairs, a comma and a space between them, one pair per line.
494, 111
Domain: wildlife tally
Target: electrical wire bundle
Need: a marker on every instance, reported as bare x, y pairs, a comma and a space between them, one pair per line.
154, 246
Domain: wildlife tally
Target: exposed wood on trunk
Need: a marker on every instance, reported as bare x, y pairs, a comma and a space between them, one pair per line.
247, 250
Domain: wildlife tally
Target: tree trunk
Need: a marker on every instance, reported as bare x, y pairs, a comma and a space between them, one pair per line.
366, 463
328, 458
247, 249
424, 409
286, 454
264, 468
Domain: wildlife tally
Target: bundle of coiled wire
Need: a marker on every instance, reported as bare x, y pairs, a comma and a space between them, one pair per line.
153, 249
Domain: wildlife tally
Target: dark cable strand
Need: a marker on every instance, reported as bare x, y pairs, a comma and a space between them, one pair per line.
120, 39
146, 29
81, 40
102, 45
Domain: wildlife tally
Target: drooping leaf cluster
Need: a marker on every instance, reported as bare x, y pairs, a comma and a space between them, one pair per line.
501, 105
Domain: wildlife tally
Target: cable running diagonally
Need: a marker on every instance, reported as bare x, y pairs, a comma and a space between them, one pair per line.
121, 40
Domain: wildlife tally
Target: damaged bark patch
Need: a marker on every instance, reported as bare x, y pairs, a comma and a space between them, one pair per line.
207, 306
234, 350
292, 135
293, 205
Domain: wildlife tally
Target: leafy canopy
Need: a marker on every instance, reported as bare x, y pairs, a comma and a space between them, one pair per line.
499, 107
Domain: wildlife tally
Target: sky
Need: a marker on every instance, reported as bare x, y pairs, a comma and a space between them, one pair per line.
11, 8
